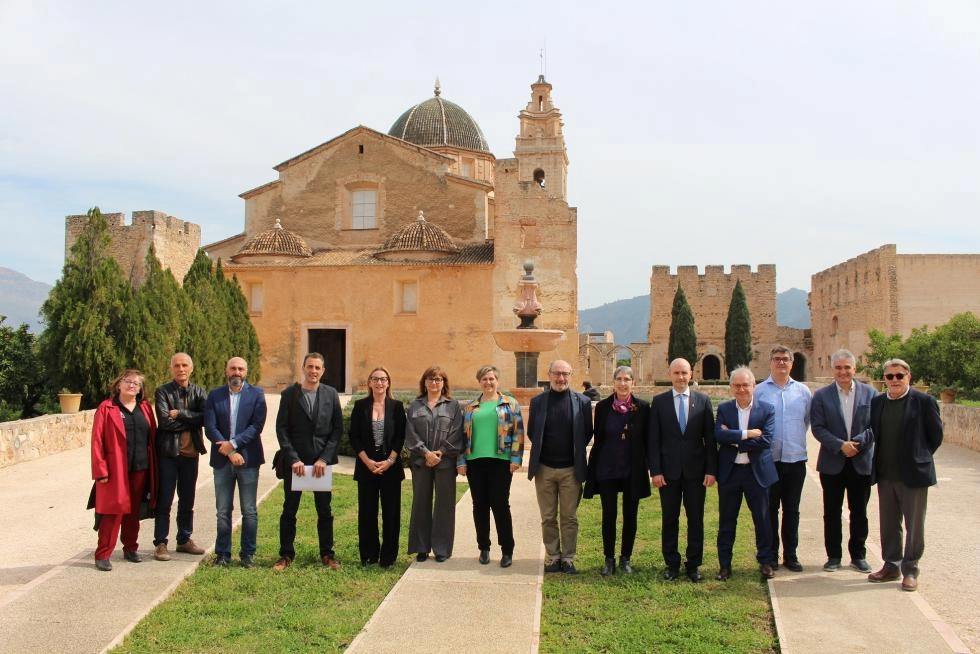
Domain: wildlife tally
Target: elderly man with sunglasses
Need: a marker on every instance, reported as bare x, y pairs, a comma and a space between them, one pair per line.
908, 430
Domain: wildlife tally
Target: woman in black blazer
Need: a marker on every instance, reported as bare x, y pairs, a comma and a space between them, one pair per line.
377, 434
618, 464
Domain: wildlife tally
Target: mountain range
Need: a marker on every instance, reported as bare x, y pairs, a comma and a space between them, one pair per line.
628, 320
21, 298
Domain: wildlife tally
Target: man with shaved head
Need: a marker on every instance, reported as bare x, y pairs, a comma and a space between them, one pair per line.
234, 416
683, 462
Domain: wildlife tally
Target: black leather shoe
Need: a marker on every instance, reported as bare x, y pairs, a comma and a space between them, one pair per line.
766, 571
506, 560
248, 561
794, 566
441, 558
221, 561
103, 565
484, 557
832, 565
421, 556
132, 557
724, 574
609, 567
671, 574
568, 568
694, 575
861, 565
554, 566
624, 565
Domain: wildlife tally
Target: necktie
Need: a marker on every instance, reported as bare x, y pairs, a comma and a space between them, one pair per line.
682, 412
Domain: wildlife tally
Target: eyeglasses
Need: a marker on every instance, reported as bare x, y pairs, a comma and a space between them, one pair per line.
132, 382
559, 373
782, 359
895, 375
435, 380
378, 380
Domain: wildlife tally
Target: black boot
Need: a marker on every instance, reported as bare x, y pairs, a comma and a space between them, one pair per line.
609, 568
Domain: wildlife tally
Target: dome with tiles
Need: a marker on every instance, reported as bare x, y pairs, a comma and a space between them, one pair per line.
419, 240
276, 242
437, 122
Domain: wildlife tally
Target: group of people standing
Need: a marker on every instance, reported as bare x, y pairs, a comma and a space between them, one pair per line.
753, 448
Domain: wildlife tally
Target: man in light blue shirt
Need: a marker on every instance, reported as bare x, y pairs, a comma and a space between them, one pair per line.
792, 402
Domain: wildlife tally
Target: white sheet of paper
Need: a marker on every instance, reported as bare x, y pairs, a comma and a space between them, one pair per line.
310, 483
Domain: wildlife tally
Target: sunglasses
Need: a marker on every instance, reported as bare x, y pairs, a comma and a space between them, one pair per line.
895, 375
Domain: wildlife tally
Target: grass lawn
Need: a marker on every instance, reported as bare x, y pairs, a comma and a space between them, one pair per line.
311, 609
644, 613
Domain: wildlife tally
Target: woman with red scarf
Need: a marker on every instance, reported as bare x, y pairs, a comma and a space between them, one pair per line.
618, 465
123, 466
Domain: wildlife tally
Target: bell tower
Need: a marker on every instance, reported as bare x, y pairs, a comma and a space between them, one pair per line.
541, 156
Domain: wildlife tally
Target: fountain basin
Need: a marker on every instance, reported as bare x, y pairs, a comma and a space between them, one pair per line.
528, 340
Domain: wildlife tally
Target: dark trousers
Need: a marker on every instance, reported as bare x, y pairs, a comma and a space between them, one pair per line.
690, 492
786, 492
287, 521
609, 495
858, 490
743, 482
385, 489
489, 480
110, 524
177, 473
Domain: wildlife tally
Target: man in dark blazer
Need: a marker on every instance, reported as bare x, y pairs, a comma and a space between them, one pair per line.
743, 429
840, 415
683, 464
309, 425
908, 431
559, 428
234, 416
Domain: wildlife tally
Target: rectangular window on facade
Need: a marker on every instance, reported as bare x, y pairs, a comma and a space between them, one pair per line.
408, 297
255, 299
467, 167
364, 203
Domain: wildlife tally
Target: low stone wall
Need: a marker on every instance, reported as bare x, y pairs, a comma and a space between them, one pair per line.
961, 425
25, 440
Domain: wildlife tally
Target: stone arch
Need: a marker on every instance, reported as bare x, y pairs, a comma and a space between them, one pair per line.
711, 367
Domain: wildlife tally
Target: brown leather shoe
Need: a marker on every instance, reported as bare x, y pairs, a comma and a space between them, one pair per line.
724, 574
161, 553
283, 563
888, 572
910, 583
766, 571
330, 562
190, 547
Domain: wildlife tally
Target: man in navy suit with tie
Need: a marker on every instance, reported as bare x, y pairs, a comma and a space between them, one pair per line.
234, 416
840, 417
744, 429
683, 463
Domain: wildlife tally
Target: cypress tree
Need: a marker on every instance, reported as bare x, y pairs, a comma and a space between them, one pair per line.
203, 330
153, 322
738, 331
82, 344
245, 342
683, 339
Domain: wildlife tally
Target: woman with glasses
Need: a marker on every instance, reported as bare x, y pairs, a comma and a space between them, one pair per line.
377, 434
123, 466
434, 438
618, 465
494, 431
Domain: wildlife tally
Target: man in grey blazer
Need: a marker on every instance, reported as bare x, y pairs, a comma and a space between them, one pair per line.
840, 417
683, 464
559, 428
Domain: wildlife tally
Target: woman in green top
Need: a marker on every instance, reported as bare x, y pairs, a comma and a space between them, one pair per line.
494, 432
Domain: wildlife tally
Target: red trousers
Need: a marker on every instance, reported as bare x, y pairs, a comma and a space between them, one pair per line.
109, 524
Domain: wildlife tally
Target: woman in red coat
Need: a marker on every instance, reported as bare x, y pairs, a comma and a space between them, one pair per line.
123, 466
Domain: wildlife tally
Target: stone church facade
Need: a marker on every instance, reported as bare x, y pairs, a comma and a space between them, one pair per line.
404, 249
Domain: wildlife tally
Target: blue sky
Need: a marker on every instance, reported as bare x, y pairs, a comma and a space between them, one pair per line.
799, 134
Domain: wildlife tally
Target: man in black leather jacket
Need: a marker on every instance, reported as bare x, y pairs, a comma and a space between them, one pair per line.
180, 443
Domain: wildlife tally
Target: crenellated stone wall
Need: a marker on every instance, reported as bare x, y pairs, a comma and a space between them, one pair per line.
25, 440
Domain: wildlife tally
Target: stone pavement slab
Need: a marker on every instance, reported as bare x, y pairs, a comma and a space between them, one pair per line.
841, 611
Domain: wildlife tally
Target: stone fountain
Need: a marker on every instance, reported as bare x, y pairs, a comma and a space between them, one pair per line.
526, 341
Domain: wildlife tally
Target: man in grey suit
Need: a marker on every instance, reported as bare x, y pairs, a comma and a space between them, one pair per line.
683, 464
908, 431
309, 426
840, 417
559, 428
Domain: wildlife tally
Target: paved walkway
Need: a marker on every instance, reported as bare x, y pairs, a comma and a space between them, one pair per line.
48, 583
